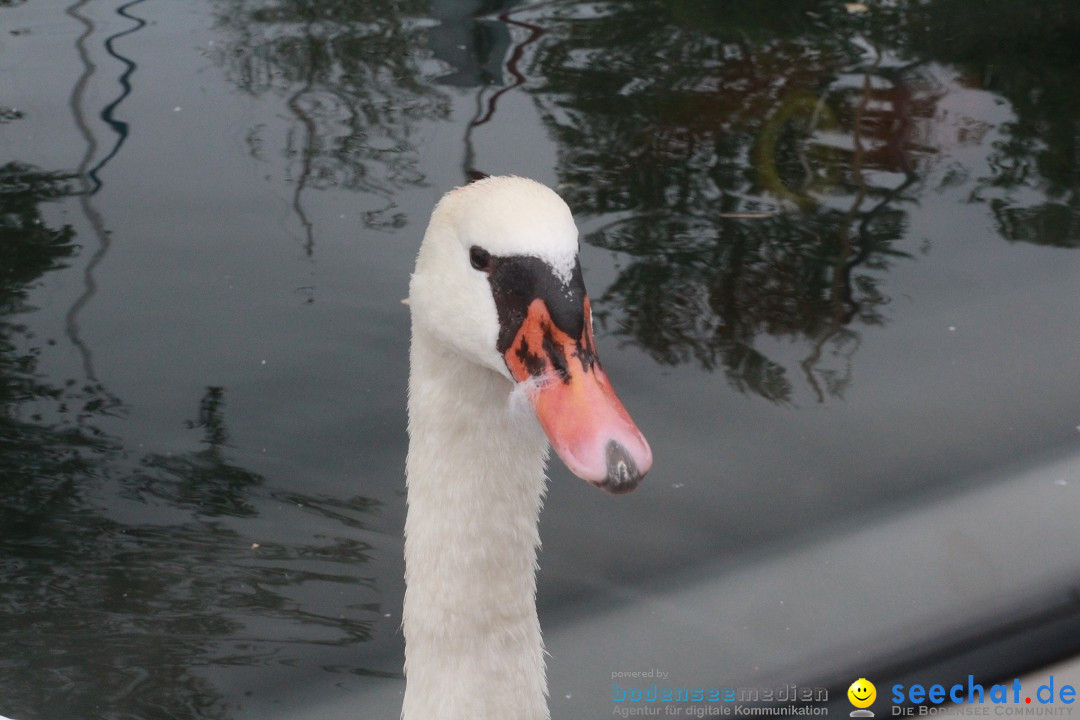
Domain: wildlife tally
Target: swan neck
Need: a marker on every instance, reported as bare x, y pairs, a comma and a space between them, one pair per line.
475, 476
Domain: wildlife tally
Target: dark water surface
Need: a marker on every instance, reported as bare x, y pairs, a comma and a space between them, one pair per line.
834, 258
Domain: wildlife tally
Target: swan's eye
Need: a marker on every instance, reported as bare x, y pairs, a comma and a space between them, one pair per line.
479, 257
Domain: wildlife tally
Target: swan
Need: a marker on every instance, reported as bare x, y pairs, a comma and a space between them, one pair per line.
502, 363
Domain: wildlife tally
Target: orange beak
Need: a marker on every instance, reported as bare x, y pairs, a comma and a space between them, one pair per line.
587, 425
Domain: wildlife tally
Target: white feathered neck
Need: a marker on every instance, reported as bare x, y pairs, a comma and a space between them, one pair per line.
475, 486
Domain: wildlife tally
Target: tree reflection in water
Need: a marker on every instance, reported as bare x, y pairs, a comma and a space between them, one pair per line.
352, 81
756, 181
1033, 187
128, 570
142, 576
40, 459
757, 163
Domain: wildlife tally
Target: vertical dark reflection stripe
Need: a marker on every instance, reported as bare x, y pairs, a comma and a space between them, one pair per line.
89, 176
119, 127
75, 102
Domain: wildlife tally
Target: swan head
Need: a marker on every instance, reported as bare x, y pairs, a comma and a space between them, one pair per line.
498, 281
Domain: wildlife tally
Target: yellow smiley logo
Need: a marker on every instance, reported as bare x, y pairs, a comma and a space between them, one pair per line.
862, 693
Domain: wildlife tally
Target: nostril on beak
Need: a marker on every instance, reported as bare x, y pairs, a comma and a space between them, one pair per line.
622, 472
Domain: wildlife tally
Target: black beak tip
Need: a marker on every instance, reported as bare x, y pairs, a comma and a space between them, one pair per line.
623, 475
